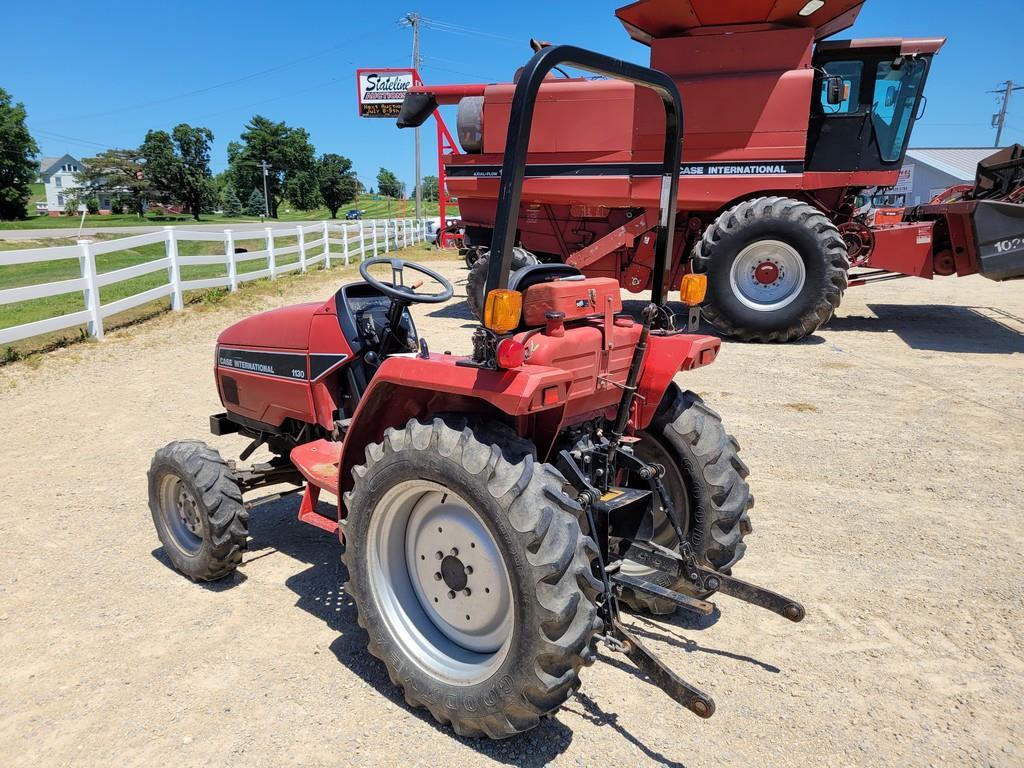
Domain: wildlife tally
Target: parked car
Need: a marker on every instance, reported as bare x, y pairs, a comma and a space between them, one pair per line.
354, 213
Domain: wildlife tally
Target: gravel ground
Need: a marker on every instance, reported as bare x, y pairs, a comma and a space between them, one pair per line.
886, 457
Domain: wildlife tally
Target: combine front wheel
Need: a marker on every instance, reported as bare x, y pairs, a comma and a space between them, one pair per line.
777, 269
477, 280
471, 576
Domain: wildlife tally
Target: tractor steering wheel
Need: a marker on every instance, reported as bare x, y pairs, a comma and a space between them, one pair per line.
398, 290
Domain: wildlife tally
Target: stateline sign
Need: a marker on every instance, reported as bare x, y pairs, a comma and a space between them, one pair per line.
381, 91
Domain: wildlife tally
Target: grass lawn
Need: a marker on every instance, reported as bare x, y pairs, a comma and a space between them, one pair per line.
373, 209
17, 275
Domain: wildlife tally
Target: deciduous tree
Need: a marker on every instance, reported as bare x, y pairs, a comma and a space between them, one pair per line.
178, 164
18, 166
337, 181
287, 151
388, 183
430, 188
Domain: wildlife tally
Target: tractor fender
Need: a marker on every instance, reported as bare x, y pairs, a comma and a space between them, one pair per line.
665, 357
413, 387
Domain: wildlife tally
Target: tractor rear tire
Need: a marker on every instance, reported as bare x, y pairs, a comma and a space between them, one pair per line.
197, 510
471, 575
776, 267
477, 280
689, 438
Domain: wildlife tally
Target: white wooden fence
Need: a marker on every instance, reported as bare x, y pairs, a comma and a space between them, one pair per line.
341, 243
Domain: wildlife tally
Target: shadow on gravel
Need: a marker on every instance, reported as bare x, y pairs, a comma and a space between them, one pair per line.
634, 307
274, 527
210, 586
658, 631
453, 310
942, 328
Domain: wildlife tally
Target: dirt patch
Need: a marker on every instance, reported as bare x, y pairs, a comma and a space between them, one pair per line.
890, 512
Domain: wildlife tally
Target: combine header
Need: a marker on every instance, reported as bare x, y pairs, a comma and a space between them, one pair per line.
784, 130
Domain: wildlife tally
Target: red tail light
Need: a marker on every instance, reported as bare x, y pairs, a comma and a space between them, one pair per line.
510, 353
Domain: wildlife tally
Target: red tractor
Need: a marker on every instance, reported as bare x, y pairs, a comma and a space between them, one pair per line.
786, 130
495, 509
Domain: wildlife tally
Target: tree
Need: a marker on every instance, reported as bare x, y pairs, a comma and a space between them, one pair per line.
117, 173
230, 203
254, 206
302, 190
430, 188
178, 164
388, 183
18, 167
289, 154
337, 181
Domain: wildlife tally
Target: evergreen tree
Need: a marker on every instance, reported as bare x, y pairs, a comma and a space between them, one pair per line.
230, 203
18, 167
255, 205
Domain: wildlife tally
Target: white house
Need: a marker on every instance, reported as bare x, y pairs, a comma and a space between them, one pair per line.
58, 177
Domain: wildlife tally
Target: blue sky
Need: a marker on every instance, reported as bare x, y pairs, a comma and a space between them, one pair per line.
95, 78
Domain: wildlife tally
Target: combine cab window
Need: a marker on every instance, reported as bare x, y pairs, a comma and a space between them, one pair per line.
897, 85
850, 71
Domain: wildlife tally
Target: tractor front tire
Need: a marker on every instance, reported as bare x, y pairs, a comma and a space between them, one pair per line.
477, 280
471, 575
689, 439
197, 510
776, 268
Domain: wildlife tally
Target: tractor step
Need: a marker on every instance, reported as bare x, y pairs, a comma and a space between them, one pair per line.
318, 462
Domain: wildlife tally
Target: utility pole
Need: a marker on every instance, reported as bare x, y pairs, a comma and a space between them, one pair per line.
413, 20
266, 197
999, 119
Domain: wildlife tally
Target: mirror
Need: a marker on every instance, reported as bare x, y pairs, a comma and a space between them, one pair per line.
890, 95
835, 90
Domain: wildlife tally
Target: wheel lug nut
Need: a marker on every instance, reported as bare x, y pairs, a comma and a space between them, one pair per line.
467, 591
469, 569
451, 594
439, 555
437, 576
455, 551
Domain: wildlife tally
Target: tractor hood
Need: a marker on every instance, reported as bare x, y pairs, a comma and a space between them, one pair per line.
284, 328
649, 19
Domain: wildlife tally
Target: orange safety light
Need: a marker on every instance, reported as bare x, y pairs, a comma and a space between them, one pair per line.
692, 289
502, 310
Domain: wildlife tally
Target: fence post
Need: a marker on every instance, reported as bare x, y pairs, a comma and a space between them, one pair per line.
344, 242
374, 237
302, 248
327, 247
87, 264
271, 260
387, 235
229, 254
174, 270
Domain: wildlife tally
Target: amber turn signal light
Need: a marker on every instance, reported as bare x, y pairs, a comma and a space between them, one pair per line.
692, 289
502, 310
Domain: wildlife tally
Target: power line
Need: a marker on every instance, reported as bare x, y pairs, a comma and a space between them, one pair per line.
458, 29
999, 119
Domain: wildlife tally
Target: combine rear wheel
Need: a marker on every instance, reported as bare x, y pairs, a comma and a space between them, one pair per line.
776, 267
707, 481
471, 576
477, 280
197, 509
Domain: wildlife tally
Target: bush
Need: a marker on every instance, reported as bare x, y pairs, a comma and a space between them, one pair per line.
116, 206
92, 205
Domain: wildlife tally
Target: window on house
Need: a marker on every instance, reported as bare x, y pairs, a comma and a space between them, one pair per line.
60, 200
59, 181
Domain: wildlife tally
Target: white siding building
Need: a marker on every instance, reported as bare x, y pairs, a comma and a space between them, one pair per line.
58, 177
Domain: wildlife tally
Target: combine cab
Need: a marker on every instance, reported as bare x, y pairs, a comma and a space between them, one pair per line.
784, 130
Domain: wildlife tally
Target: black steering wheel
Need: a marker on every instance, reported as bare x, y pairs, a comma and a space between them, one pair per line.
397, 289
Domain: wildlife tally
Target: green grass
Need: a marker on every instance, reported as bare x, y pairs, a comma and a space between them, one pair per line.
374, 209
17, 275
38, 196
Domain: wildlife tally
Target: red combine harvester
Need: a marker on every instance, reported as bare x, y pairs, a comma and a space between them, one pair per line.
785, 129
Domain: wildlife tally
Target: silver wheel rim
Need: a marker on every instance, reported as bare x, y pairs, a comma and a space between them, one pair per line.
440, 582
767, 275
181, 514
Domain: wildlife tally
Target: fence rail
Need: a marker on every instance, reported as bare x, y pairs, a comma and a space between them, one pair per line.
356, 241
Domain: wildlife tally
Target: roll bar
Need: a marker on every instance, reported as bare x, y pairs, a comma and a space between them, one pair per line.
517, 143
